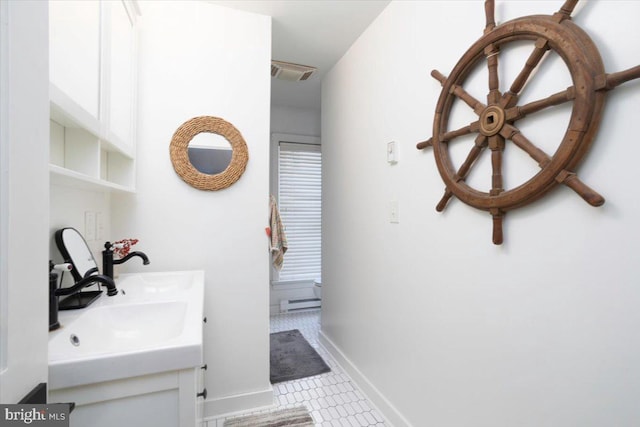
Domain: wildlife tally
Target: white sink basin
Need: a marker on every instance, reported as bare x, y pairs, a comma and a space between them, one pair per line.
161, 284
154, 326
117, 328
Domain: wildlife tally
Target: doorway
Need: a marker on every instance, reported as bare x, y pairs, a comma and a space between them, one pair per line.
296, 184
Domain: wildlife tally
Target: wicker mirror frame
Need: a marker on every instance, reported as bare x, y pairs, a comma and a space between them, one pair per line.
179, 151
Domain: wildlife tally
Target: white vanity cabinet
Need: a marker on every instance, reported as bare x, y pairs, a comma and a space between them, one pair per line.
92, 49
135, 358
167, 399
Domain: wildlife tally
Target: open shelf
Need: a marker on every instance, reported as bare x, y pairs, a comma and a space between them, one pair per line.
69, 178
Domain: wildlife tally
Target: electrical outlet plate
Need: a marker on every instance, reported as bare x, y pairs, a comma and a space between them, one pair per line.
90, 226
99, 226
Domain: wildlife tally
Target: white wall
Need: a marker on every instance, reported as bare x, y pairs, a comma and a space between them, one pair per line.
296, 121
68, 207
24, 196
440, 326
201, 59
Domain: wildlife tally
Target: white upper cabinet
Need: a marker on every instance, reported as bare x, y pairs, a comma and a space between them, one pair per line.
121, 72
92, 54
74, 51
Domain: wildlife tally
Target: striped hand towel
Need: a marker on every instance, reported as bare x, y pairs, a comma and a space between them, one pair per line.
278, 238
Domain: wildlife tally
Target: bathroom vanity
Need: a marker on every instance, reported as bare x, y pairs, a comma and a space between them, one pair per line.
134, 358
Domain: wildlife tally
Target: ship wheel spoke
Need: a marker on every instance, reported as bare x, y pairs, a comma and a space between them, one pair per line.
494, 83
568, 178
497, 215
491, 53
480, 144
462, 94
496, 145
489, 11
448, 136
510, 98
611, 81
513, 134
517, 113
566, 10
465, 130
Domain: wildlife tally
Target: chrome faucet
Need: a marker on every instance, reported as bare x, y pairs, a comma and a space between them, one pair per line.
108, 262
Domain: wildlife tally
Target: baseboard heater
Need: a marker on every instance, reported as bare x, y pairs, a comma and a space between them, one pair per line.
298, 304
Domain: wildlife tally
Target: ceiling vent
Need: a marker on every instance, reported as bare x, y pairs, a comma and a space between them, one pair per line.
291, 72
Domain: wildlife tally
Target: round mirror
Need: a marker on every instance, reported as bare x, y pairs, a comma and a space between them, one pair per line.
210, 153
202, 160
75, 251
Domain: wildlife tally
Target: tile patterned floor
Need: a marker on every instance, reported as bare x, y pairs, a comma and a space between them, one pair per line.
332, 398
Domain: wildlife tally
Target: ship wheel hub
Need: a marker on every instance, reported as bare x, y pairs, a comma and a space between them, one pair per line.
491, 120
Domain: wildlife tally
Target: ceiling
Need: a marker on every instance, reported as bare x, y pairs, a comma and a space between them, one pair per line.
310, 32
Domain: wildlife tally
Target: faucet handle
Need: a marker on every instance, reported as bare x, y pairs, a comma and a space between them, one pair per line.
111, 246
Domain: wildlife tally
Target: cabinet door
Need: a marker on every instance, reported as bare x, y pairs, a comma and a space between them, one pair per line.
74, 46
121, 71
24, 195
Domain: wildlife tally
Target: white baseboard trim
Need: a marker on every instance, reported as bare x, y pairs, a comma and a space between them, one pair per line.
231, 405
393, 418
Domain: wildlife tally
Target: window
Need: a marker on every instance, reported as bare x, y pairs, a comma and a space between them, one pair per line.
300, 203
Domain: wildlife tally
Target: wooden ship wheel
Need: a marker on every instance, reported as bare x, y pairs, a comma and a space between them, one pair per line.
497, 126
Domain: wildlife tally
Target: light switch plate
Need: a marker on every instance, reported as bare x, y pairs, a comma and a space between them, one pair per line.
392, 152
394, 216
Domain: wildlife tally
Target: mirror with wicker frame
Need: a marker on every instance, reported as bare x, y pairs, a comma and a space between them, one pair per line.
179, 152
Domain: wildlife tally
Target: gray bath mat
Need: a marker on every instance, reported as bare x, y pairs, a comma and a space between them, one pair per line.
292, 357
292, 417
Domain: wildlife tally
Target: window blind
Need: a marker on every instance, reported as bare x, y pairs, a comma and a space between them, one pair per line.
300, 203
